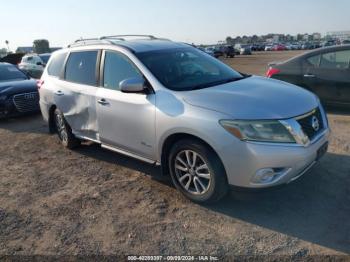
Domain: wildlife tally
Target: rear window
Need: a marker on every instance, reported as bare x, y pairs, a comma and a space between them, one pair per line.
11, 73
56, 65
28, 59
81, 68
314, 60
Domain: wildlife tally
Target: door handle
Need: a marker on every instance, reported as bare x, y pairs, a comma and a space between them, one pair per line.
103, 102
309, 76
59, 93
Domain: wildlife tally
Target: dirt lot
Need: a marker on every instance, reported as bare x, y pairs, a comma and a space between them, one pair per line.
92, 201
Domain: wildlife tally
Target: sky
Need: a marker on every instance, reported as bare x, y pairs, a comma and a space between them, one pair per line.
192, 21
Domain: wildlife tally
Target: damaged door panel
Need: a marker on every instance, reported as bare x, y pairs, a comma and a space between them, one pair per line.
75, 97
77, 102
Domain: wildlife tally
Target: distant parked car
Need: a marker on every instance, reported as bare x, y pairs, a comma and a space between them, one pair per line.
254, 47
257, 47
329, 43
310, 46
213, 51
208, 50
278, 47
324, 71
260, 47
268, 47
305, 46
288, 47
295, 46
245, 50
34, 64
228, 51
218, 51
18, 92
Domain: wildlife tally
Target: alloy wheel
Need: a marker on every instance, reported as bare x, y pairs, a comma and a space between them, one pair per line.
61, 128
192, 172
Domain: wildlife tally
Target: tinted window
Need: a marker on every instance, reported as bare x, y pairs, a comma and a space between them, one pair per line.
44, 58
117, 68
56, 64
314, 60
28, 59
11, 73
336, 60
186, 69
81, 67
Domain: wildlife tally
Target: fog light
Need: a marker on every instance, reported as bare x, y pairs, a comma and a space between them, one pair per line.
268, 175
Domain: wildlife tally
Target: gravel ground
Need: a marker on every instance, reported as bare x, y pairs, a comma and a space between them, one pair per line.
91, 201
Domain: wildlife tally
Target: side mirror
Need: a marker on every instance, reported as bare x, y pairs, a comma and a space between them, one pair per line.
132, 85
39, 63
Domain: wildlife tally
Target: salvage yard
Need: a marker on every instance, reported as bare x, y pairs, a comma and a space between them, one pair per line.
92, 201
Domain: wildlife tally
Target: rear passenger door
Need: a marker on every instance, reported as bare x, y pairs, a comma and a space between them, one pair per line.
126, 120
75, 96
342, 76
328, 76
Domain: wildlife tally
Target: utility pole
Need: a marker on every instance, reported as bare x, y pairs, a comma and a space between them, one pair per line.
7, 44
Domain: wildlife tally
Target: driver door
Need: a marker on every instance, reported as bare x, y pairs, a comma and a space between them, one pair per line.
126, 121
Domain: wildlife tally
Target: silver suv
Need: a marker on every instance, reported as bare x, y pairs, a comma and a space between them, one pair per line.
170, 104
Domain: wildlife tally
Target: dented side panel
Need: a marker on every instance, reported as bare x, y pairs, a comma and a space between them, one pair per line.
78, 105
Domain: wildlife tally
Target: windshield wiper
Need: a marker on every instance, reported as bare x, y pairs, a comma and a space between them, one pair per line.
216, 83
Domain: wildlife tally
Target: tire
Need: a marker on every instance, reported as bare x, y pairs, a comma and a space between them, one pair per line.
213, 181
64, 131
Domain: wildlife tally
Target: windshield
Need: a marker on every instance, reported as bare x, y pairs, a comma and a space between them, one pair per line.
11, 73
185, 69
45, 58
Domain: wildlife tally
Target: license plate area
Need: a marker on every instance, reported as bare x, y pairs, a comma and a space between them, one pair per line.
322, 151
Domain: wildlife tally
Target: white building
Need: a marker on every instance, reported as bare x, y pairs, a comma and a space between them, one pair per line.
306, 37
316, 36
276, 38
339, 35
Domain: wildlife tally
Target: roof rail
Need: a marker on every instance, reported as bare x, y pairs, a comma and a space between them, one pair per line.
123, 36
109, 39
86, 41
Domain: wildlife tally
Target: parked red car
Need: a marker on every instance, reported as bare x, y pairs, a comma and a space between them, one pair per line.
279, 47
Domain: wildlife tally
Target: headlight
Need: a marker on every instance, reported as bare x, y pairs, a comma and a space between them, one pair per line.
261, 131
3, 97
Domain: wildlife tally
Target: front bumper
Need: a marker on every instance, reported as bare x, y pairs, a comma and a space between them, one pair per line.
9, 107
242, 164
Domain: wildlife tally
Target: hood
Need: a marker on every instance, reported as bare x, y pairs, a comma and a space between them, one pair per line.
15, 87
254, 98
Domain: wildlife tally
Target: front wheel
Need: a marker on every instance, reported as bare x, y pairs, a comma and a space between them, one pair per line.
64, 132
197, 171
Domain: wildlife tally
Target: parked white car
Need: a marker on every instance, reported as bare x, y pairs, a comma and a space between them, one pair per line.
34, 64
268, 48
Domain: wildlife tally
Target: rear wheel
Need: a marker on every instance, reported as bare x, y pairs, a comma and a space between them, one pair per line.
64, 132
197, 171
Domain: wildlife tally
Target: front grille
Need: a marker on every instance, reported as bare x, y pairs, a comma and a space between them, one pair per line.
309, 123
26, 102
